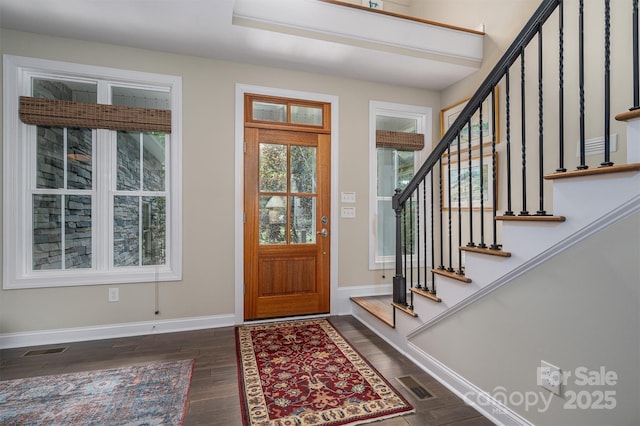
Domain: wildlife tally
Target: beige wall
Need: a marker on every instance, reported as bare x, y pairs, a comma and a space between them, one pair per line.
208, 158
579, 309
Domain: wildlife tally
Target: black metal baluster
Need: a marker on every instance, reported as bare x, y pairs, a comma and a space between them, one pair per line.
541, 211
433, 239
417, 233
470, 243
409, 252
495, 245
636, 60
405, 251
582, 165
441, 220
424, 239
523, 118
509, 211
450, 268
561, 167
607, 85
460, 270
481, 184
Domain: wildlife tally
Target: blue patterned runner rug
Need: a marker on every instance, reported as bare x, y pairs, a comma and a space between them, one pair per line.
153, 394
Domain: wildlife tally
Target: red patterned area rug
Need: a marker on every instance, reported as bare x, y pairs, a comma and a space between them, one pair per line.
305, 373
153, 394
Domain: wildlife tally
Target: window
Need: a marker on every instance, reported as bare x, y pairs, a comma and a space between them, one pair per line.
90, 203
392, 165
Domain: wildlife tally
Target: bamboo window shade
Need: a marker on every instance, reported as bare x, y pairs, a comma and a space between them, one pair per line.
399, 140
58, 113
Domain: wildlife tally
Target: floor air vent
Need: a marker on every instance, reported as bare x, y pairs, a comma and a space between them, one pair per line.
47, 351
412, 384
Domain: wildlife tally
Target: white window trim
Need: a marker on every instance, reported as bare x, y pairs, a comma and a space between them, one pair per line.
16, 246
424, 116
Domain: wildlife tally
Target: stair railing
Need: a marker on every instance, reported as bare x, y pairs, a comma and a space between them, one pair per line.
424, 193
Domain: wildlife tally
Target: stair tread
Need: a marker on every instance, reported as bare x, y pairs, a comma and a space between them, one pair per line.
453, 275
634, 167
489, 251
426, 293
378, 306
532, 218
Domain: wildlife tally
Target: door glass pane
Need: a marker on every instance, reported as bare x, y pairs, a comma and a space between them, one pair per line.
77, 234
47, 232
273, 168
128, 161
126, 235
273, 219
64, 90
303, 220
303, 169
79, 158
143, 98
153, 161
154, 239
306, 115
50, 158
266, 111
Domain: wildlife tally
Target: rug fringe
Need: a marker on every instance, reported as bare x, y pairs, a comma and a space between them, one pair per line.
377, 419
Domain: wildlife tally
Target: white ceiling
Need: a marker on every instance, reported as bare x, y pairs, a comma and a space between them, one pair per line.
233, 30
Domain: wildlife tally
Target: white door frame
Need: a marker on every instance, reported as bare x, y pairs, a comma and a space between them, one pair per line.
241, 90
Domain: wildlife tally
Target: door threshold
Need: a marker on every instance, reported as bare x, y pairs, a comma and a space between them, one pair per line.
279, 319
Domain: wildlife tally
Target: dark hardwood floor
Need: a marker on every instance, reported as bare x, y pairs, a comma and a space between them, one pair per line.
213, 398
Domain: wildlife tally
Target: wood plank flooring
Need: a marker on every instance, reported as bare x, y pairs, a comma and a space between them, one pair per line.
213, 398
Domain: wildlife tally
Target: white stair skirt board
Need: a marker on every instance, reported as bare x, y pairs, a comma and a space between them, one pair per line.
620, 213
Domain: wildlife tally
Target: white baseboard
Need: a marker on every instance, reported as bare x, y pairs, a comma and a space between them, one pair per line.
346, 293
470, 393
79, 334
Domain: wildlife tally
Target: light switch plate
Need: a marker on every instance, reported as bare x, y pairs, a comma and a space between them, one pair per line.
348, 197
348, 212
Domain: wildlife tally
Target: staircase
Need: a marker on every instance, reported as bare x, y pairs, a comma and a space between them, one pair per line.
449, 257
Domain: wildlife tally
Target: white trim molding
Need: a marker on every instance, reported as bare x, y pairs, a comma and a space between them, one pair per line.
470, 393
241, 90
80, 334
19, 176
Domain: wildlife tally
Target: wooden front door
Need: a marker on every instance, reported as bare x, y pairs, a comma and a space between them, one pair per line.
287, 205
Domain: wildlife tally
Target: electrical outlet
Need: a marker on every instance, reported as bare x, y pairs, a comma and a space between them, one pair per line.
114, 294
550, 378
